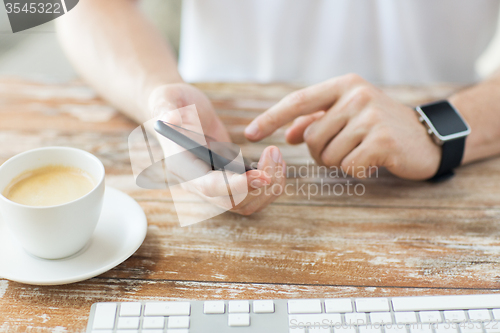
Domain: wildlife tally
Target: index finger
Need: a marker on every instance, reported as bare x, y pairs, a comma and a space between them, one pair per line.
301, 102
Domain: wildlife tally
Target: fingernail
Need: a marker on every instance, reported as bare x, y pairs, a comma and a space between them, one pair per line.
257, 183
276, 156
167, 117
252, 130
172, 116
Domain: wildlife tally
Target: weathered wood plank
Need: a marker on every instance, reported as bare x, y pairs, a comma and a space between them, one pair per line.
323, 245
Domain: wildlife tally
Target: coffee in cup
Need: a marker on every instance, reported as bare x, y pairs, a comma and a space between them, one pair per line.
49, 186
51, 199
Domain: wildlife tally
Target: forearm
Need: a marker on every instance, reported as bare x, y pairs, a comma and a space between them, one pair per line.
480, 106
118, 52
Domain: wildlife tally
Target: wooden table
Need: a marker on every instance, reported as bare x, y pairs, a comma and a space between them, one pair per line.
399, 238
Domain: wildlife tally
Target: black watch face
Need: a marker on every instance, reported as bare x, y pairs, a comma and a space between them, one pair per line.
444, 118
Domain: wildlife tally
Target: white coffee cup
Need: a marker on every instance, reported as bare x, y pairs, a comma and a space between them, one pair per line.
53, 232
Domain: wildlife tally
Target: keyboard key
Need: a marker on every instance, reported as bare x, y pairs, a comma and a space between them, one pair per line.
380, 318
265, 306
479, 315
455, 316
369, 329
420, 329
104, 317
214, 307
446, 328
167, 309
102, 331
338, 305
309, 320
304, 306
395, 329
493, 330
319, 329
177, 331
149, 331
238, 319
416, 303
372, 304
430, 317
297, 330
130, 309
471, 328
405, 317
178, 322
356, 318
496, 313
126, 331
153, 322
128, 323
239, 307
345, 329
492, 327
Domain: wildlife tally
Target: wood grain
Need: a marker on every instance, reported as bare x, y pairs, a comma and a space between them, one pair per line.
398, 238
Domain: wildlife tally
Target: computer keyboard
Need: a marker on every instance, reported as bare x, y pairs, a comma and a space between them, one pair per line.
415, 314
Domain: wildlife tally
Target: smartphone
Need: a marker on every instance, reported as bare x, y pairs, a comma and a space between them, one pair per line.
218, 155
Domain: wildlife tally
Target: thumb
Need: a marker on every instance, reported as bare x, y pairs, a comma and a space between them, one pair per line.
165, 98
172, 117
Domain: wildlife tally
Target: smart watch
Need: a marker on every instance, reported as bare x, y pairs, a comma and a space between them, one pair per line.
449, 130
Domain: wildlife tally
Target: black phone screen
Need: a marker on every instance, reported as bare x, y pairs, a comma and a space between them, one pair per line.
219, 155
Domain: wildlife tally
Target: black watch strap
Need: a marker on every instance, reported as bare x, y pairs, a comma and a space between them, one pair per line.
451, 157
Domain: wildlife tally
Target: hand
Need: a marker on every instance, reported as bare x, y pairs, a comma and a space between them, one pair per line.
271, 167
347, 122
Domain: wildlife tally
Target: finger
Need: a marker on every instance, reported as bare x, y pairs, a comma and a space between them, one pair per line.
344, 142
267, 162
224, 183
319, 134
311, 99
216, 191
187, 167
362, 161
262, 197
274, 195
172, 117
257, 179
214, 183
295, 133
274, 192
254, 179
317, 138
271, 161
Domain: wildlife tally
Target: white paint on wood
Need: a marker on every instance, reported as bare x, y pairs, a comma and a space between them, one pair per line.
4, 284
90, 113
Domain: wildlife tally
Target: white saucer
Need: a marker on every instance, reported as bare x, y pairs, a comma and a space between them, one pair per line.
119, 233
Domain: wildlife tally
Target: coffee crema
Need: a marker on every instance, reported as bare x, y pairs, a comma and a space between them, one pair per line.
49, 186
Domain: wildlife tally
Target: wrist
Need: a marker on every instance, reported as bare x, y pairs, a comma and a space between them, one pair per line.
430, 152
463, 102
448, 130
